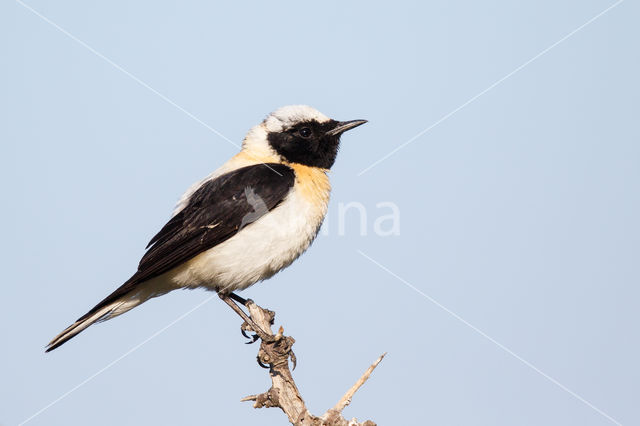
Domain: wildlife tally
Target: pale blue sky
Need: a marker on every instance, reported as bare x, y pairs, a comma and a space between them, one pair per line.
519, 212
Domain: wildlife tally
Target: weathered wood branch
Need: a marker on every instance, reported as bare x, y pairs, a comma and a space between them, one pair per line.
274, 353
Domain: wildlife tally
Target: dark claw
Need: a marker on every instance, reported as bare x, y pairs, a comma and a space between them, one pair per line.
261, 364
246, 327
294, 360
244, 334
253, 338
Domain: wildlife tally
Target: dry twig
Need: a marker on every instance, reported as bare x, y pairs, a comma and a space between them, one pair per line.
274, 354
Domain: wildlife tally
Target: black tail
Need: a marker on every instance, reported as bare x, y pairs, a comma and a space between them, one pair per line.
127, 296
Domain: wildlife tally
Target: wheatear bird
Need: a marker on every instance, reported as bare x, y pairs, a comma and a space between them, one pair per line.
244, 222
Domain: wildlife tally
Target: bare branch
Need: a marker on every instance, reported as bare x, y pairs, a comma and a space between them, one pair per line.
346, 399
274, 353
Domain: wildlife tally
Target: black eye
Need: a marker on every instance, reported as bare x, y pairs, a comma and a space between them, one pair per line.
305, 132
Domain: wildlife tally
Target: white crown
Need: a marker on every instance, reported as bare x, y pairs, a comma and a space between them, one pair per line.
287, 116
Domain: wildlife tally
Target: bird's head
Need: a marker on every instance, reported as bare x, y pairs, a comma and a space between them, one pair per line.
300, 134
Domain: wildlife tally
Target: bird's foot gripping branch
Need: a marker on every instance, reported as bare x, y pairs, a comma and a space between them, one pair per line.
274, 354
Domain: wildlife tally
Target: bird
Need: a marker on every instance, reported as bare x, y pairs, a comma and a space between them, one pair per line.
243, 223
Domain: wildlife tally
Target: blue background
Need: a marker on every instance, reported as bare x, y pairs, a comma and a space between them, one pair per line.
518, 213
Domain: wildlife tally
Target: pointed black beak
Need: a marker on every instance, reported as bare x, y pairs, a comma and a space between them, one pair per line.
343, 126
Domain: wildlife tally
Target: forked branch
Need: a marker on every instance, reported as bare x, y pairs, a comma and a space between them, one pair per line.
274, 353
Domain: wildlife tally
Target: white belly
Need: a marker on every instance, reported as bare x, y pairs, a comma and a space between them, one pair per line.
257, 251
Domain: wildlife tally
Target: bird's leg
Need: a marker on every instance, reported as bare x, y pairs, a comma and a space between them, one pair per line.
238, 299
249, 324
245, 325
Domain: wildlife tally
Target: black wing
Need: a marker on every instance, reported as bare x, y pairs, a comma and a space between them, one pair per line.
214, 213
